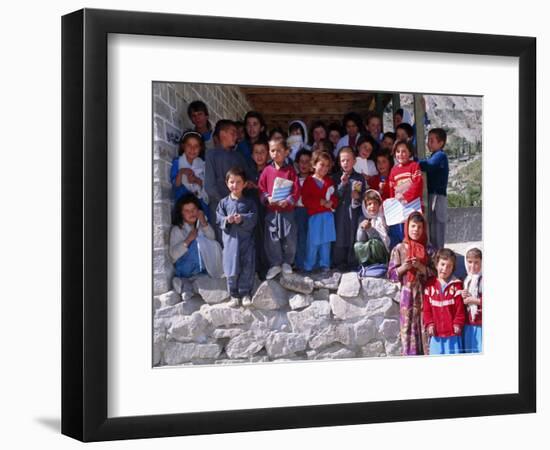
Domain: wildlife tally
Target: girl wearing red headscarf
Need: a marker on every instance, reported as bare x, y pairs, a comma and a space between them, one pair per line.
410, 265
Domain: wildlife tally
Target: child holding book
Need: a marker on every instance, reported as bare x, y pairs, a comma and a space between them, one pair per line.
319, 197
280, 226
410, 266
443, 306
350, 187
472, 296
365, 161
237, 215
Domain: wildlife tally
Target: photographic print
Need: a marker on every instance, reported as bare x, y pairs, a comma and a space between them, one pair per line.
295, 224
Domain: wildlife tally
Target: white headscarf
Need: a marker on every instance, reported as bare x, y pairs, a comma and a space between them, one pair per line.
377, 221
473, 283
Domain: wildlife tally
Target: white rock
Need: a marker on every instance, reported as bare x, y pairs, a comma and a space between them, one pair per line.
270, 295
264, 321
284, 344
223, 315
384, 307
350, 285
347, 307
390, 329
379, 287
375, 348
170, 311
188, 328
212, 290
364, 331
169, 298
394, 348
298, 301
336, 351
327, 281
297, 283
244, 345
227, 333
310, 320
177, 353
339, 332
321, 294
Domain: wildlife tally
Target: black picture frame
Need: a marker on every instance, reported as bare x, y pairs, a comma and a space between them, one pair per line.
84, 224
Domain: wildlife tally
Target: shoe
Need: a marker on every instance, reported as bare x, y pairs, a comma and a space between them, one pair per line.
325, 270
247, 301
287, 268
233, 302
273, 272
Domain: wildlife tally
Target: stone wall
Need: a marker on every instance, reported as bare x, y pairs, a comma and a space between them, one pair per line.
292, 318
170, 101
463, 225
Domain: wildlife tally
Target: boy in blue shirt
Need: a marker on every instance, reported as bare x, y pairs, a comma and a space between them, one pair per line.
437, 169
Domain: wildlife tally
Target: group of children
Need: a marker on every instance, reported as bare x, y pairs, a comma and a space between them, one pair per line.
277, 204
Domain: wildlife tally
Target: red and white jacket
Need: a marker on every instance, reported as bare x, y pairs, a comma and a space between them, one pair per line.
443, 309
312, 195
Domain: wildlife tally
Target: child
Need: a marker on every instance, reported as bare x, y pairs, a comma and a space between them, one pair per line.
297, 137
353, 124
237, 216
387, 141
405, 132
409, 265
443, 307
350, 187
189, 257
374, 126
472, 296
334, 133
319, 197
437, 169
372, 240
318, 133
260, 152
198, 115
365, 165
380, 182
190, 167
255, 129
280, 227
218, 161
303, 163
405, 181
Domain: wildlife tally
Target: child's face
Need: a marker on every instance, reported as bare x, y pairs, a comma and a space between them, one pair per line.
199, 119
319, 134
415, 230
235, 184
304, 165
192, 148
434, 143
372, 207
228, 137
259, 155
321, 168
383, 165
397, 119
277, 152
401, 135
444, 268
334, 136
473, 264
402, 154
351, 128
277, 136
189, 211
387, 143
365, 150
374, 127
240, 133
347, 161
253, 127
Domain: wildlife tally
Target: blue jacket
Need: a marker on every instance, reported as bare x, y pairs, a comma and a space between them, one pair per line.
437, 168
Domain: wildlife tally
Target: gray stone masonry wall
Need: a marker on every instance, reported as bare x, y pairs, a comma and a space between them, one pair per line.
293, 317
170, 101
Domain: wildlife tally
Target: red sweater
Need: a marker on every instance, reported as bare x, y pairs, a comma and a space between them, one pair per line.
374, 183
443, 309
409, 174
265, 185
312, 195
